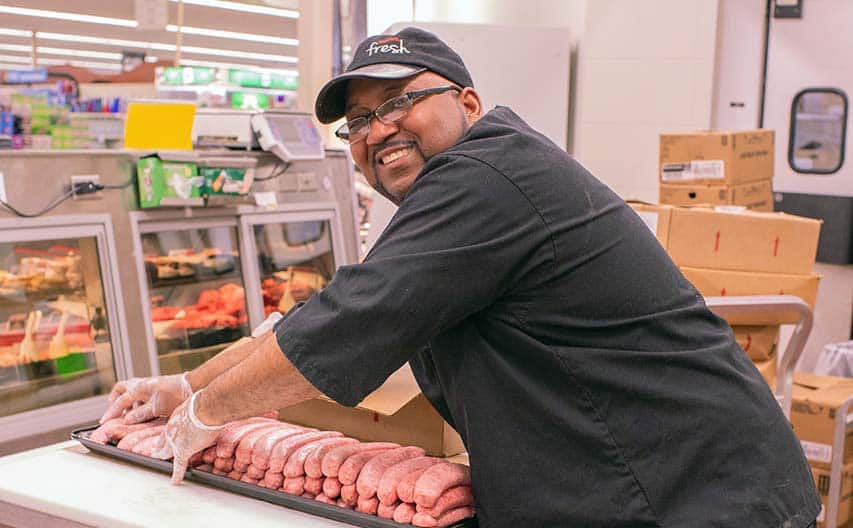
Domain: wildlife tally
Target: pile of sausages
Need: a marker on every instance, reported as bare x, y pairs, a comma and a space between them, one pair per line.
379, 478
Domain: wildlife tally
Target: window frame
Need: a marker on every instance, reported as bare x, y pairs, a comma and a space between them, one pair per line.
793, 125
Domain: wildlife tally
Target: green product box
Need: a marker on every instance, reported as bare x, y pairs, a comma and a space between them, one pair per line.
163, 183
227, 181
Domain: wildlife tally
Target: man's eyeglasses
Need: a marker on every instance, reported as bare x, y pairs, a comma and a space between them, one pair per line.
388, 112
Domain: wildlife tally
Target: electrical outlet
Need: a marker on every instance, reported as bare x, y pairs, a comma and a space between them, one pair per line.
85, 178
3, 188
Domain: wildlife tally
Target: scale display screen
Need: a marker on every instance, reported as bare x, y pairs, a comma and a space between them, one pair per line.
289, 136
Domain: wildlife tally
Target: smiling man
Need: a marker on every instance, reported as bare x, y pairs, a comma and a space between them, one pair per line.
542, 319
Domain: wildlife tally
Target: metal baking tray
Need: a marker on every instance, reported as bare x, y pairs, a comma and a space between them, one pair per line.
249, 490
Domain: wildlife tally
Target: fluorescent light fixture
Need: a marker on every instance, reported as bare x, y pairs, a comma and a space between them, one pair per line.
151, 58
16, 58
167, 47
226, 65
64, 15
267, 39
80, 64
16, 47
15, 33
42, 50
246, 8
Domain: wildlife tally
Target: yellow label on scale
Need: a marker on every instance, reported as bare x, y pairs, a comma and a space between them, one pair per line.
159, 125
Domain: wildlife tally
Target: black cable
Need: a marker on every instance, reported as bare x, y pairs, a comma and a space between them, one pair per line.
53, 205
274, 173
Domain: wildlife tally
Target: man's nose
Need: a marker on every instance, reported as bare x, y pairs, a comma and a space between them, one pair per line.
380, 131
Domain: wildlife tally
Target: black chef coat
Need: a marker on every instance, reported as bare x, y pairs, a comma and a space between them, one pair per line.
591, 385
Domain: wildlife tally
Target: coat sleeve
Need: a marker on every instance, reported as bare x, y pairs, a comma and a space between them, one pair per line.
451, 250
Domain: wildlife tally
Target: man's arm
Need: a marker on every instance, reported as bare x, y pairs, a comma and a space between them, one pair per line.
201, 376
263, 380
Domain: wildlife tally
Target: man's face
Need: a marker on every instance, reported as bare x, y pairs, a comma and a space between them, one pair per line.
391, 156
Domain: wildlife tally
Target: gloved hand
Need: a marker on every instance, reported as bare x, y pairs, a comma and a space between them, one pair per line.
185, 434
267, 325
160, 395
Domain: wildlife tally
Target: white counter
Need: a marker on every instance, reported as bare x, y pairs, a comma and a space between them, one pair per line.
66, 485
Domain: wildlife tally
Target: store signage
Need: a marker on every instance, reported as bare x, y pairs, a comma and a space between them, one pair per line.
26, 76
255, 79
188, 75
250, 101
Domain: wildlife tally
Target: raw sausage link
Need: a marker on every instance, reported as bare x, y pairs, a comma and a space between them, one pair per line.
236, 475
295, 465
286, 447
254, 472
231, 436
146, 445
332, 487
209, 455
387, 489
195, 460
294, 486
247, 478
455, 497
386, 511
349, 470
313, 464
342, 504
348, 495
129, 442
224, 464
314, 486
406, 487
331, 463
266, 445
272, 480
324, 499
371, 473
367, 505
404, 513
307, 495
453, 516
247, 443
240, 466
439, 478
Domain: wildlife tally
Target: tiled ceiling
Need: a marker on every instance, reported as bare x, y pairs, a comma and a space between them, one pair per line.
266, 40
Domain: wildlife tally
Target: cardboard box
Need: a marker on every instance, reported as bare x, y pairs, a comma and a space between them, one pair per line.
759, 342
845, 505
756, 196
168, 183
767, 369
742, 241
711, 282
716, 157
815, 400
656, 217
395, 412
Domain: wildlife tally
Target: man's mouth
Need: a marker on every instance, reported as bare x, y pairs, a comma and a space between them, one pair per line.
390, 156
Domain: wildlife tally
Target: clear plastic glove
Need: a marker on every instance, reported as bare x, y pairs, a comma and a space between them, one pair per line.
160, 395
185, 435
267, 325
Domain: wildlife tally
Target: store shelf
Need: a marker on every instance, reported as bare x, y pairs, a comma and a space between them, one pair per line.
195, 279
212, 350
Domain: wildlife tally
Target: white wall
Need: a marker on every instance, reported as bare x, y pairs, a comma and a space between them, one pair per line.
739, 62
643, 68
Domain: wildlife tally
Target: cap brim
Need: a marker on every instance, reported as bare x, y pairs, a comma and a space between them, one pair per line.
331, 101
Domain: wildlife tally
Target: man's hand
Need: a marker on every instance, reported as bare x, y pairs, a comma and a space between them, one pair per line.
160, 395
185, 435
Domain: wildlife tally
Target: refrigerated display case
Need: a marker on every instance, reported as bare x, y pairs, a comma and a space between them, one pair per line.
294, 254
193, 288
61, 337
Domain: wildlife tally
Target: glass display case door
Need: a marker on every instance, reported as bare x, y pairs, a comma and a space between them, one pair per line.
62, 338
191, 279
290, 256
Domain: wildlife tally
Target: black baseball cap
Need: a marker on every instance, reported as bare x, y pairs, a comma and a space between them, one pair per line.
409, 52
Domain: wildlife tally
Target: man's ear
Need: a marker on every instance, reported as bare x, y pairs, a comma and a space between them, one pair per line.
471, 104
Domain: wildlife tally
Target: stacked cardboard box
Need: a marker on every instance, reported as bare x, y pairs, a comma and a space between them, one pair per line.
717, 168
816, 400
742, 253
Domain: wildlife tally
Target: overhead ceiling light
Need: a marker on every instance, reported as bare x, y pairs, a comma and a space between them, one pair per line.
16, 47
16, 58
63, 15
233, 35
78, 53
15, 33
246, 8
167, 47
227, 65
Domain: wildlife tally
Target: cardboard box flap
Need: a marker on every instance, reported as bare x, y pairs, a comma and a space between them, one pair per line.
399, 389
822, 390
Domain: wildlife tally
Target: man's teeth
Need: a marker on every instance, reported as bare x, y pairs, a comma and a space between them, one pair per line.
397, 154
